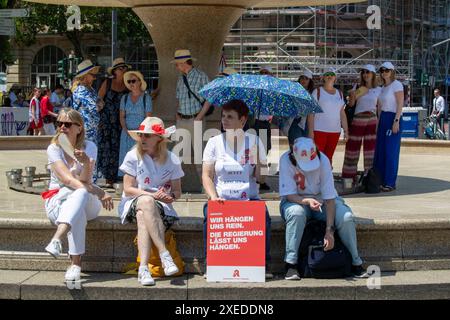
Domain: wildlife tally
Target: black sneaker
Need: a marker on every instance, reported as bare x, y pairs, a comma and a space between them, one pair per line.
359, 272
264, 186
292, 272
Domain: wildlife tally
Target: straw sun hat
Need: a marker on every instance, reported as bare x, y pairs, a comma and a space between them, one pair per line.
86, 67
138, 75
152, 125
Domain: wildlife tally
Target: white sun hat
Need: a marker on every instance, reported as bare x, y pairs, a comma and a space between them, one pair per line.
152, 125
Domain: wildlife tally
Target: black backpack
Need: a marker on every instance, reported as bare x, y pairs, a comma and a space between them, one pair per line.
372, 181
314, 262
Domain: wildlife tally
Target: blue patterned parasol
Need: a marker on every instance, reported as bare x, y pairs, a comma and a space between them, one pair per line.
263, 94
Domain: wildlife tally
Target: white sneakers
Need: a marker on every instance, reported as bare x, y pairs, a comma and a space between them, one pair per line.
54, 248
144, 277
73, 273
170, 268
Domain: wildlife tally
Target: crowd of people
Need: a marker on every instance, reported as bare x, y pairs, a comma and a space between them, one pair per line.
113, 131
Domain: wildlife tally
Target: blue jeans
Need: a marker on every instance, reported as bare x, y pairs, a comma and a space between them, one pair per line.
296, 216
268, 225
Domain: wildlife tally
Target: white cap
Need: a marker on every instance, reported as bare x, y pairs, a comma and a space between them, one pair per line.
369, 67
308, 74
306, 154
387, 65
329, 70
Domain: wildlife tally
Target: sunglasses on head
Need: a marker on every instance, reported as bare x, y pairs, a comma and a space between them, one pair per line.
59, 124
132, 81
145, 135
329, 74
384, 70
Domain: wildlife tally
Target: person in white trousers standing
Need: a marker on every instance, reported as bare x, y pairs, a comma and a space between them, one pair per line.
72, 198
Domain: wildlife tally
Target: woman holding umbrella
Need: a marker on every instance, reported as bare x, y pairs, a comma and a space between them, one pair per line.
232, 164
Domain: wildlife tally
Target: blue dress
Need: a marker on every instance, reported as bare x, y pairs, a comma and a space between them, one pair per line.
135, 113
85, 102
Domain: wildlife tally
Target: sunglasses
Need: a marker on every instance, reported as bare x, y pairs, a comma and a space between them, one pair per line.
59, 124
132, 81
145, 135
329, 74
365, 71
385, 70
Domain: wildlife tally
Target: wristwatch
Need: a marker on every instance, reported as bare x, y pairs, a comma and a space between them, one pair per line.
331, 228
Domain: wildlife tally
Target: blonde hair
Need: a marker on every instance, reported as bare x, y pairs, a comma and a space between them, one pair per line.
81, 80
161, 152
76, 118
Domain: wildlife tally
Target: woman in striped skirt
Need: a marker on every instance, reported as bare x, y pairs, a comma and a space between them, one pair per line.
364, 124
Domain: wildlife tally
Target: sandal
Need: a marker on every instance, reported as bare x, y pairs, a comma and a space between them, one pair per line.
387, 188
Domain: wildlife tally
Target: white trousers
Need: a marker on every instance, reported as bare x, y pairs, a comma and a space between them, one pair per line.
74, 208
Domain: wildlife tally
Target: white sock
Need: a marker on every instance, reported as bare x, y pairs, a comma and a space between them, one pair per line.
143, 268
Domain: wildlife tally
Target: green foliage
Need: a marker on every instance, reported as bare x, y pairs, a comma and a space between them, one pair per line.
52, 19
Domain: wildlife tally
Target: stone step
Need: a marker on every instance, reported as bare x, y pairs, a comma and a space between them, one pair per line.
45, 285
392, 244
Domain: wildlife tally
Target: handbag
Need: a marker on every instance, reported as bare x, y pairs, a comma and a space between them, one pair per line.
48, 119
314, 262
350, 113
211, 107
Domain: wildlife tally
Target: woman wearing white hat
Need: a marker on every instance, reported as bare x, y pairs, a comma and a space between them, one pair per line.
308, 192
327, 125
111, 91
364, 124
85, 98
390, 105
151, 183
72, 198
134, 107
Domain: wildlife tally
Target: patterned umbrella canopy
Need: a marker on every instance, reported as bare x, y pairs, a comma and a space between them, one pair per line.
263, 94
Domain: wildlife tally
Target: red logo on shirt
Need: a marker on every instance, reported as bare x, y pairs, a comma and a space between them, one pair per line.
147, 180
236, 274
300, 180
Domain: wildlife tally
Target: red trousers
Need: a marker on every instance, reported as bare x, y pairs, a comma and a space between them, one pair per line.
326, 142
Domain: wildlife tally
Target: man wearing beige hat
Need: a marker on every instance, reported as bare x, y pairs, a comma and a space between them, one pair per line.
191, 107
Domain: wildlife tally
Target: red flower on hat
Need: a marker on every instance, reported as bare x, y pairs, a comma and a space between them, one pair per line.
141, 127
158, 129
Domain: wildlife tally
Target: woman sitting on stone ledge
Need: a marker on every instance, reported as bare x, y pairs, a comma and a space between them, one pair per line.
232, 165
72, 199
152, 182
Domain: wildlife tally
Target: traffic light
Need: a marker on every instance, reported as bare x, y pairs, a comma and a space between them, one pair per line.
424, 79
62, 68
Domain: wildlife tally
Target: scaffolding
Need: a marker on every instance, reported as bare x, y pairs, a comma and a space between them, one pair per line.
291, 40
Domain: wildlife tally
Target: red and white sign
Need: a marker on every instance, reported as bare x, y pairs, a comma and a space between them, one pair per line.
235, 241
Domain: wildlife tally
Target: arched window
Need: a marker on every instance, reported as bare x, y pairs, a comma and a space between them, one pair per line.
44, 69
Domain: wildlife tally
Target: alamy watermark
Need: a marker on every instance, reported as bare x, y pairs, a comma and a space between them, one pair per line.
374, 280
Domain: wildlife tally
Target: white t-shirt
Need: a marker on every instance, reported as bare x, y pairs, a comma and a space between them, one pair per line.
387, 96
150, 176
234, 173
368, 102
317, 184
55, 153
330, 119
439, 104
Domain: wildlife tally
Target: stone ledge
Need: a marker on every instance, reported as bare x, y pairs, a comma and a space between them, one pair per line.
396, 285
192, 223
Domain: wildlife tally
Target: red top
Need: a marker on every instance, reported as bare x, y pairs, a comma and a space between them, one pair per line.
46, 106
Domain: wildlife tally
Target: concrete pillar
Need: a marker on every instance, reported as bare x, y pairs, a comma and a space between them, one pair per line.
201, 29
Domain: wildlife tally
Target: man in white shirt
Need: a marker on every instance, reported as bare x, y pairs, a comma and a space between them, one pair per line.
439, 108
